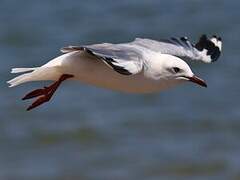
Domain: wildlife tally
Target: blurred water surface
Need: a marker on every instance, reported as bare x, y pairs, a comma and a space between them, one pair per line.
91, 133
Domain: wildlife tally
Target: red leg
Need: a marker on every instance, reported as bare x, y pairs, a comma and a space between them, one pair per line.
46, 93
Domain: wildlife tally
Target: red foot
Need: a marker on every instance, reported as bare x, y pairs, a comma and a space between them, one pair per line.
46, 93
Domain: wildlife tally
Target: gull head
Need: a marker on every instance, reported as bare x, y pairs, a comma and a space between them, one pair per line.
174, 68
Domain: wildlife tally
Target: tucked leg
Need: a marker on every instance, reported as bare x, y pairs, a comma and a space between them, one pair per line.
45, 93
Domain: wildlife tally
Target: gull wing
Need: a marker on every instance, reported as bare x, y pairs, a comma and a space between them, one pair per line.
123, 59
206, 50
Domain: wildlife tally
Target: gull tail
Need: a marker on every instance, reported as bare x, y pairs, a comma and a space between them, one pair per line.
210, 48
22, 70
21, 78
33, 74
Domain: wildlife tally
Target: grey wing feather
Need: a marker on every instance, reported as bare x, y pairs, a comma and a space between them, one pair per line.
206, 50
123, 59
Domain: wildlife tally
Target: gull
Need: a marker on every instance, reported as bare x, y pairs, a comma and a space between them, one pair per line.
140, 66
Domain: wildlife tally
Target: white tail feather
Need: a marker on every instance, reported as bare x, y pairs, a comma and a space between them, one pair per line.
19, 79
38, 74
21, 70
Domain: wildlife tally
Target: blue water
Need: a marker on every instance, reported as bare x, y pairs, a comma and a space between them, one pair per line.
91, 133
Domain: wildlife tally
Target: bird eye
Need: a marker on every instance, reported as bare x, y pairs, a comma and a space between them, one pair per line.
176, 69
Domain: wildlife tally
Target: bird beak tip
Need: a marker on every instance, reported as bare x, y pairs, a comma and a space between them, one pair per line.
198, 81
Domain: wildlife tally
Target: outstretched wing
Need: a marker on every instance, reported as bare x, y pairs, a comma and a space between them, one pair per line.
123, 59
206, 50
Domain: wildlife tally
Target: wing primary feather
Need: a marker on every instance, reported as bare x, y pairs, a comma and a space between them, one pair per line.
117, 68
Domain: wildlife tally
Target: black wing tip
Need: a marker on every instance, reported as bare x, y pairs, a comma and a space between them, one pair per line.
217, 37
203, 36
184, 38
213, 46
117, 68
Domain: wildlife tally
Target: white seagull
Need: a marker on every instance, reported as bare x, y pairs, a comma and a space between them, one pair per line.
140, 66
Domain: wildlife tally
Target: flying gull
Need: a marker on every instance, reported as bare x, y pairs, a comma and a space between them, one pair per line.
140, 66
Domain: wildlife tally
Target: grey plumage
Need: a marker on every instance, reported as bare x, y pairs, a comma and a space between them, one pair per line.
128, 58
182, 48
122, 58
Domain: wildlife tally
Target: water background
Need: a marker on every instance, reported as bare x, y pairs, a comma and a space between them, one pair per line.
91, 133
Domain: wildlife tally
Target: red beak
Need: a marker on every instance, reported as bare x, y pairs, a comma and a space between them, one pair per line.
197, 80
